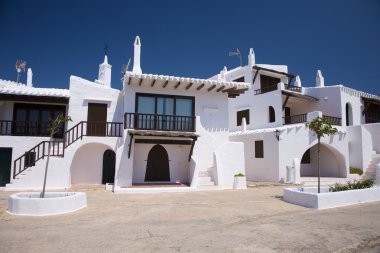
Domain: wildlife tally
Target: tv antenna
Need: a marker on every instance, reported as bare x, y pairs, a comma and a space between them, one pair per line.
238, 54
124, 69
20, 66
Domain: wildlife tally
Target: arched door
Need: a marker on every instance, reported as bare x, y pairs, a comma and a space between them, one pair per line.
109, 158
157, 168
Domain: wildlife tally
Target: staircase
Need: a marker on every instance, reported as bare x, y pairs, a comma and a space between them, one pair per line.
28, 161
206, 179
370, 172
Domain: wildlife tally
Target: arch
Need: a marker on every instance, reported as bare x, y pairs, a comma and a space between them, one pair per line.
157, 167
332, 162
349, 115
87, 164
109, 160
272, 114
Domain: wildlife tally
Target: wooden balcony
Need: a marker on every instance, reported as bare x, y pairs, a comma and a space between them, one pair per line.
144, 121
302, 118
293, 88
27, 128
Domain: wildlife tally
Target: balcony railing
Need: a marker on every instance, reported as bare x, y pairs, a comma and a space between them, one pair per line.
295, 119
333, 120
293, 88
161, 122
369, 120
266, 89
27, 128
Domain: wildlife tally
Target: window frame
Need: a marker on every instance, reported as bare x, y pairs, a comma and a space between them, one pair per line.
259, 149
272, 114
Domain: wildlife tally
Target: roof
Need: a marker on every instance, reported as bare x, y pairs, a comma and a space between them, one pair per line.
274, 71
13, 88
298, 95
232, 88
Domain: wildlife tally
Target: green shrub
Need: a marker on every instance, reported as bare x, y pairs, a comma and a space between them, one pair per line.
354, 170
367, 183
239, 175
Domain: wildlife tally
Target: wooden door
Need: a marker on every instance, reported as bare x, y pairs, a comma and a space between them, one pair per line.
108, 166
157, 168
96, 119
5, 165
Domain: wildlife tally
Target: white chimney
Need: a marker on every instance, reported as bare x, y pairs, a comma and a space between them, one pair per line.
320, 80
222, 75
251, 58
297, 82
104, 76
29, 78
136, 58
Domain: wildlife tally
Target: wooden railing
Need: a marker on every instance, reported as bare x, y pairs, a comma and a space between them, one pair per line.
265, 89
159, 122
333, 120
369, 120
293, 88
57, 147
37, 153
300, 118
27, 128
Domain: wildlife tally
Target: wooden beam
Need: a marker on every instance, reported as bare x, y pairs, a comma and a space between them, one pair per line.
285, 102
229, 90
192, 148
154, 81
163, 141
165, 84
140, 82
130, 145
211, 88
254, 79
201, 86
366, 108
189, 85
177, 84
221, 88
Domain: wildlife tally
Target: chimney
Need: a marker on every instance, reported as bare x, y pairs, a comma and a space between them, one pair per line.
29, 78
297, 82
320, 80
136, 58
104, 76
251, 58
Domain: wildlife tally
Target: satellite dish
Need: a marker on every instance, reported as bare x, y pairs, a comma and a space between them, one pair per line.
238, 54
20, 66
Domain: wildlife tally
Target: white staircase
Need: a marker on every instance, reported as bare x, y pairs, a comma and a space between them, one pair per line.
370, 171
206, 179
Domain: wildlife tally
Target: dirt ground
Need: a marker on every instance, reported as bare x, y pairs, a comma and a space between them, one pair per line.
253, 220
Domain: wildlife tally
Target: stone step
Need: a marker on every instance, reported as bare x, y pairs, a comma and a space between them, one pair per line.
201, 184
205, 173
205, 179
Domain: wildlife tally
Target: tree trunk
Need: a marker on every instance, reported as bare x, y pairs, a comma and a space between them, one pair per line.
319, 171
46, 169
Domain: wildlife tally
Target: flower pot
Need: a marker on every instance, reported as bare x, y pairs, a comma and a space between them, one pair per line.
240, 182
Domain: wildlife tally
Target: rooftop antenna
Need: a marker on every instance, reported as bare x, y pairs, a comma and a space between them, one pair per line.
238, 54
20, 66
124, 69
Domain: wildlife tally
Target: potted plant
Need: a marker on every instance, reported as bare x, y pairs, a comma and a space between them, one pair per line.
240, 181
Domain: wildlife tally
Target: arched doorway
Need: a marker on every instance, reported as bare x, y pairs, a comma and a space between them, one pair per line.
348, 114
109, 158
272, 115
157, 167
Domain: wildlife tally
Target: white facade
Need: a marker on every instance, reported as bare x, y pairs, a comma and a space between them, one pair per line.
201, 131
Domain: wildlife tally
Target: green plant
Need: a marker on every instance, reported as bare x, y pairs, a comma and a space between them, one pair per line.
354, 170
320, 127
239, 175
55, 125
367, 183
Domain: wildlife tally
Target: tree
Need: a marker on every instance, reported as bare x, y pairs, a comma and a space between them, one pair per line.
321, 127
55, 125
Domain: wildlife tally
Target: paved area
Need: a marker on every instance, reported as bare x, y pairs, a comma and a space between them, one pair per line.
253, 220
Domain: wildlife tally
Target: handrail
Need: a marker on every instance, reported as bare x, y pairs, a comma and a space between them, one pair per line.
293, 88
24, 128
265, 89
83, 128
146, 121
294, 119
333, 120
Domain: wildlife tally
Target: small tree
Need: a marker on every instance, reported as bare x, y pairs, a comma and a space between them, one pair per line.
321, 127
55, 125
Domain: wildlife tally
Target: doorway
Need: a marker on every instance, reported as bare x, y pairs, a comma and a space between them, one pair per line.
109, 158
5, 165
96, 119
157, 168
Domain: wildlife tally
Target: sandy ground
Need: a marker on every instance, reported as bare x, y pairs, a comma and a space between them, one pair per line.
253, 220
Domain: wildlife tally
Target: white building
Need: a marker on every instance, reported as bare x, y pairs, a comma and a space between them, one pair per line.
157, 129
184, 133
270, 120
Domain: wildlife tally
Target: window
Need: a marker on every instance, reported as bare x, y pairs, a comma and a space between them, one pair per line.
272, 115
259, 149
268, 83
239, 80
35, 119
164, 112
30, 159
306, 157
242, 114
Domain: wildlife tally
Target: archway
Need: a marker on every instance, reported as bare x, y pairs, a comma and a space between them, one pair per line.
348, 114
109, 159
272, 115
332, 163
157, 168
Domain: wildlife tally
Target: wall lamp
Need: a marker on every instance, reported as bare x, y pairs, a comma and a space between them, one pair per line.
278, 134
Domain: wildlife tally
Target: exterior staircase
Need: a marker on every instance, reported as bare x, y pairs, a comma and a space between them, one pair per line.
370, 171
206, 179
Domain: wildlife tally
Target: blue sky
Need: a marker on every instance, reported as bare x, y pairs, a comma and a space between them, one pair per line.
192, 38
